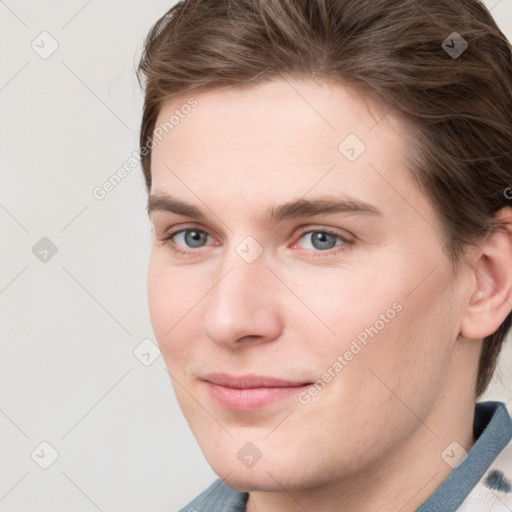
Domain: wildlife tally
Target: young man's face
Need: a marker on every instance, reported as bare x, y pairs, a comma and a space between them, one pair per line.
352, 306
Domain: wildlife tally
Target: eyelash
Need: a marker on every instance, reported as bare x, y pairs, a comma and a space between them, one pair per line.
167, 239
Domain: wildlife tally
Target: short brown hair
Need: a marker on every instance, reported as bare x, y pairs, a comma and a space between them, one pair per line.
399, 51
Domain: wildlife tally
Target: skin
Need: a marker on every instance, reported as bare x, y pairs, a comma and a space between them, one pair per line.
373, 437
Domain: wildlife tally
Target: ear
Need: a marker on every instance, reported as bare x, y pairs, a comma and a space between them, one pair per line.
491, 298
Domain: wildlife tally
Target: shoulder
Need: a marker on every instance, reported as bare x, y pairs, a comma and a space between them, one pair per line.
218, 497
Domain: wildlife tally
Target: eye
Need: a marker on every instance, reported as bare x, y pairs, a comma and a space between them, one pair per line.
186, 240
192, 238
322, 240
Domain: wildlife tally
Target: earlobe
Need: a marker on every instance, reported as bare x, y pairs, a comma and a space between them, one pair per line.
491, 299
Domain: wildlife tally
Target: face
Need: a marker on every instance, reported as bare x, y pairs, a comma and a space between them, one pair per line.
297, 284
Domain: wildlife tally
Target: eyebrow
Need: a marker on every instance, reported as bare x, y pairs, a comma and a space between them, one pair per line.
298, 208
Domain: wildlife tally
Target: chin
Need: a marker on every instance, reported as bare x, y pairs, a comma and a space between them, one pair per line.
269, 474
247, 481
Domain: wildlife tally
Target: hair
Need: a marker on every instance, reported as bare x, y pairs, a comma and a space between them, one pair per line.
396, 52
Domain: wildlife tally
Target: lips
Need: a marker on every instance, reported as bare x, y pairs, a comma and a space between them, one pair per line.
250, 392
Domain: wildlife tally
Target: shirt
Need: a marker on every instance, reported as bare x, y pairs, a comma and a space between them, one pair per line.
482, 482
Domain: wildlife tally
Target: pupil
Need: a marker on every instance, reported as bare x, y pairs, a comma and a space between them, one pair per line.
194, 238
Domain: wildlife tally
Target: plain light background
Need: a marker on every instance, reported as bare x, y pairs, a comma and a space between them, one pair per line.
73, 373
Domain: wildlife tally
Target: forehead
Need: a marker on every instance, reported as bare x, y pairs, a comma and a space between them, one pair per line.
289, 118
287, 138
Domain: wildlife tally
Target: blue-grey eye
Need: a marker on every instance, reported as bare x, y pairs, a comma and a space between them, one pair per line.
193, 238
321, 240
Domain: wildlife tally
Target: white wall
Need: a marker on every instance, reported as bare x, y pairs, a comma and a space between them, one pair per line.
68, 374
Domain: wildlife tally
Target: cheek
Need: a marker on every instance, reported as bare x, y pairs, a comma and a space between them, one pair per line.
174, 297
342, 303
378, 325
409, 359
161, 302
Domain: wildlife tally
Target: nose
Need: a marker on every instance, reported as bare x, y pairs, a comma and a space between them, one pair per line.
243, 307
